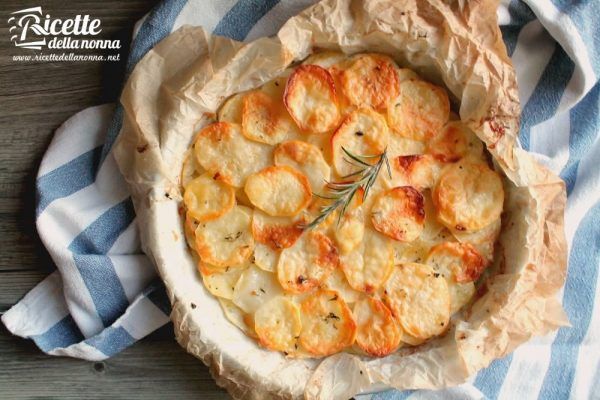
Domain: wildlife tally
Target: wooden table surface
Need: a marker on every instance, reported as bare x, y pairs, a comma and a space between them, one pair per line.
35, 98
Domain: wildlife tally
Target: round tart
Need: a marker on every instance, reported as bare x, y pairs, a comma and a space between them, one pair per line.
338, 208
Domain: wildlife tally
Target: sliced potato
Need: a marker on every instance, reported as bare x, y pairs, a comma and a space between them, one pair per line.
279, 191
371, 80
190, 169
325, 59
350, 231
275, 88
189, 229
369, 264
409, 252
460, 293
420, 171
231, 110
401, 146
307, 263
207, 198
411, 340
457, 260
483, 239
276, 232
363, 132
420, 299
306, 158
454, 142
221, 281
278, 325
377, 332
399, 213
238, 317
311, 100
431, 227
228, 240
225, 153
327, 323
468, 196
254, 288
337, 281
263, 119
420, 110
241, 198
265, 257
405, 74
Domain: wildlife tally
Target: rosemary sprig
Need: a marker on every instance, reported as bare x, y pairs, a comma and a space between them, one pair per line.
343, 192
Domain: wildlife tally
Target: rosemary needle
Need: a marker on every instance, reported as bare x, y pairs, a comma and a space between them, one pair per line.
342, 193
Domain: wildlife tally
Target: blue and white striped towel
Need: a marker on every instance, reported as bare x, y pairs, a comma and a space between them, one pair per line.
105, 295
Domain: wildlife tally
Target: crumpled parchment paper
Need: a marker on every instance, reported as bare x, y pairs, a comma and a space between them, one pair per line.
176, 89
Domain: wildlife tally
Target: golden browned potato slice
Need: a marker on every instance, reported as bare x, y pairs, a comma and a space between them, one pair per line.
189, 229
363, 132
405, 74
311, 100
460, 264
411, 340
254, 288
325, 59
327, 323
377, 332
231, 110
420, 110
337, 281
371, 80
221, 281
278, 324
307, 263
238, 317
224, 152
432, 227
468, 196
276, 88
417, 250
454, 142
275, 232
408, 252
483, 239
399, 213
350, 230
420, 171
190, 169
419, 298
369, 264
228, 240
206, 198
401, 146
306, 158
279, 191
462, 259
265, 257
264, 119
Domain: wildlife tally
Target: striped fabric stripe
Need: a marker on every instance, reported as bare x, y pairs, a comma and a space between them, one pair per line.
579, 295
241, 18
555, 46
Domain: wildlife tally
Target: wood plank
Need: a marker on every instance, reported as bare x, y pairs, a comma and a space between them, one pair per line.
36, 98
15, 284
149, 369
